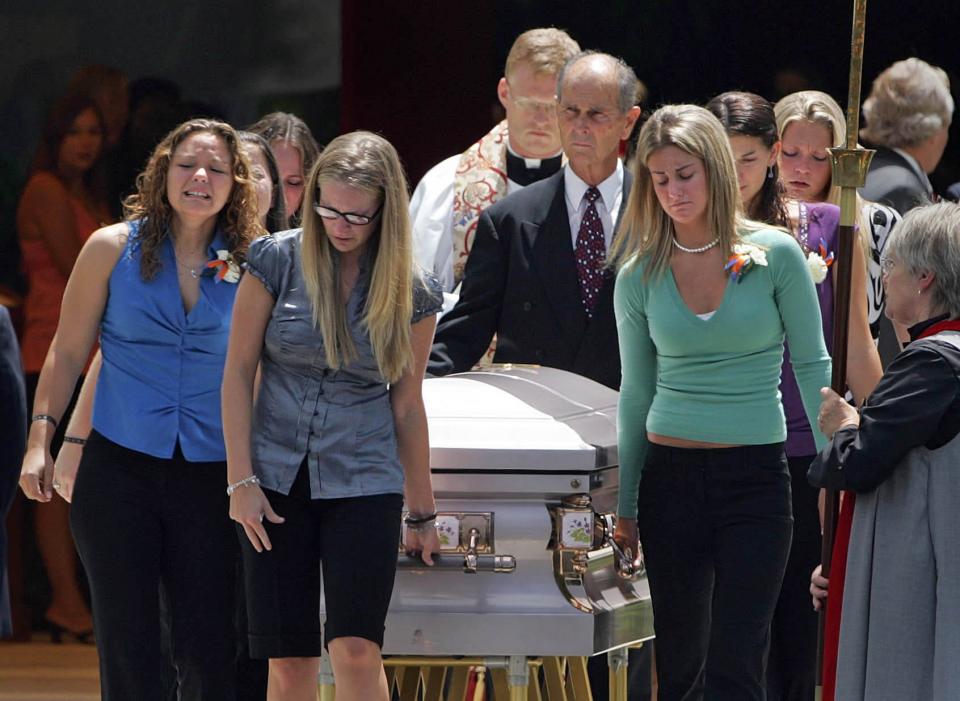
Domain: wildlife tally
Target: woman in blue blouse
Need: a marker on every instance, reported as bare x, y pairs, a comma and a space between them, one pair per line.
324, 455
149, 514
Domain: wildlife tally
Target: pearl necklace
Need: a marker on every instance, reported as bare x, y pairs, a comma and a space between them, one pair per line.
698, 249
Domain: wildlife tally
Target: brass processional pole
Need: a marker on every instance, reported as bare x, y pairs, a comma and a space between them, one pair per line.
849, 167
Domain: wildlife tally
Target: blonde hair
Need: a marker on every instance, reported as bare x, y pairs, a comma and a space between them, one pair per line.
908, 103
647, 231
369, 163
545, 50
819, 108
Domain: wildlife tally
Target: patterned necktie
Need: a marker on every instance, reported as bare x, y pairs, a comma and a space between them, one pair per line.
591, 252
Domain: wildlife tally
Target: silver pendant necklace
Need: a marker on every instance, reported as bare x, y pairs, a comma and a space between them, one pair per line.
698, 249
194, 272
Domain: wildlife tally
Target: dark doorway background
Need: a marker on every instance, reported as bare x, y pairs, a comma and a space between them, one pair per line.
425, 73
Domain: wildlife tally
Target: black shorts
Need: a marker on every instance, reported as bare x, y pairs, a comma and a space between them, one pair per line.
356, 539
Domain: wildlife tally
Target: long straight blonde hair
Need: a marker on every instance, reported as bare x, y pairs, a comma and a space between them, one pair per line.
647, 231
819, 108
370, 163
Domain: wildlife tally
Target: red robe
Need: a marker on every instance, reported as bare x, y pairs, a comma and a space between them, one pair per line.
838, 565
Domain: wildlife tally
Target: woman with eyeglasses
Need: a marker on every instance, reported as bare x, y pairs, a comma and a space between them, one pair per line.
901, 590
333, 444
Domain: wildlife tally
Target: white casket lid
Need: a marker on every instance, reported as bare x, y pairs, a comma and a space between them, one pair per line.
520, 418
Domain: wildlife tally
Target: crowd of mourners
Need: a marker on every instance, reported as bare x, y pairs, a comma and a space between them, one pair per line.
216, 385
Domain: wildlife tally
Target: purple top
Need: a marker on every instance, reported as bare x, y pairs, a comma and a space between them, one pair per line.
818, 221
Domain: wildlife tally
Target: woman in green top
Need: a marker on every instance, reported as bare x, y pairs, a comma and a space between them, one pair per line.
704, 299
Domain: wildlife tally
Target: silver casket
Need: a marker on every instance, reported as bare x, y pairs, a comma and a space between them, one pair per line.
524, 464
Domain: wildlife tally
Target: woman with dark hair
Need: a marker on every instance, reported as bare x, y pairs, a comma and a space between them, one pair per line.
325, 454
295, 150
149, 514
752, 129
62, 204
266, 180
108, 87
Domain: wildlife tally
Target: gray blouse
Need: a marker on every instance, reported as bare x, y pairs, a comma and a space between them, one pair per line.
340, 420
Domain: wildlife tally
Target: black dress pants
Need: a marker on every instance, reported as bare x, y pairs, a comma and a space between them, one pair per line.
792, 666
715, 528
146, 526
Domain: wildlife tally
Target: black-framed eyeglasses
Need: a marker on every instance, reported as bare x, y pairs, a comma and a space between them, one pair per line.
350, 217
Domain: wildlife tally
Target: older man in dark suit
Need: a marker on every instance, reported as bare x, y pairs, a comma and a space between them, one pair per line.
535, 276
907, 115
907, 118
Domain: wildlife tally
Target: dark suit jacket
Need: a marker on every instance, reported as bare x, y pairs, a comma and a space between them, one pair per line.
893, 182
521, 283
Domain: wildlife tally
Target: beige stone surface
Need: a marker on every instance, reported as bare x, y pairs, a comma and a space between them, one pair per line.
40, 671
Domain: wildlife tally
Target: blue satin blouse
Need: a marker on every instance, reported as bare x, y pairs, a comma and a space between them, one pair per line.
162, 367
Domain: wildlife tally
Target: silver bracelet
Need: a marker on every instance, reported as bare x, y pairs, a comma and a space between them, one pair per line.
246, 482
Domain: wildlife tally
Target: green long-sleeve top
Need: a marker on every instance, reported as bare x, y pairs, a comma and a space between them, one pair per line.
717, 380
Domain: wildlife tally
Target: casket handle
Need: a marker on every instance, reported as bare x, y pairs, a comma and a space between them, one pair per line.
469, 563
624, 562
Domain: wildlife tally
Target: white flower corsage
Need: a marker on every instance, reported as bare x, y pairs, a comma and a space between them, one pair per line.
819, 262
224, 267
745, 256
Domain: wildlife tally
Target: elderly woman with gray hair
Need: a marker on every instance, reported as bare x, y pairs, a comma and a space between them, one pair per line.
899, 636
907, 116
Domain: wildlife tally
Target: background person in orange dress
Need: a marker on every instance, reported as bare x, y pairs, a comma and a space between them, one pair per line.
62, 203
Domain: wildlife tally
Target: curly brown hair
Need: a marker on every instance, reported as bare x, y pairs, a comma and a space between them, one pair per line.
238, 220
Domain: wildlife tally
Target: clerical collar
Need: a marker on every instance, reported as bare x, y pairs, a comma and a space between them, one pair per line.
933, 326
524, 171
